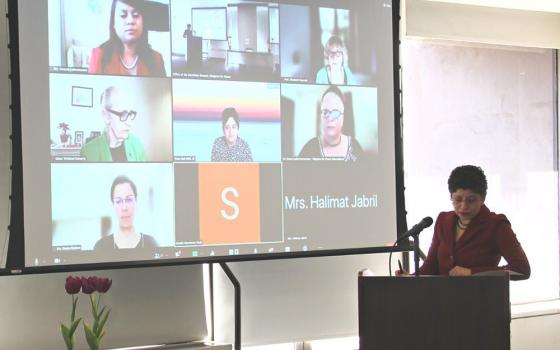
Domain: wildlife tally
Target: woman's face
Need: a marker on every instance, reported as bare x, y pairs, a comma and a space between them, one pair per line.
466, 204
124, 202
129, 24
231, 130
332, 115
334, 57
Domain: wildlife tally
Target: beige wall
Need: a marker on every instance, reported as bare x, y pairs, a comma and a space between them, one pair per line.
531, 5
481, 24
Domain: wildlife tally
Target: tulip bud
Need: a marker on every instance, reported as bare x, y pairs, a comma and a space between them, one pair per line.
73, 285
103, 284
88, 284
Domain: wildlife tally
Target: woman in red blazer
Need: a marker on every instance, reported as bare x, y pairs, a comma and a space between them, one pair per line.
472, 239
127, 51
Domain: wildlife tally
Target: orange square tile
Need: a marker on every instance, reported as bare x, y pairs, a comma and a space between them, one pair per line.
229, 203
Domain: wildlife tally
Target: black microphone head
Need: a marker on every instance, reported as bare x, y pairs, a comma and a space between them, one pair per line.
426, 222
416, 229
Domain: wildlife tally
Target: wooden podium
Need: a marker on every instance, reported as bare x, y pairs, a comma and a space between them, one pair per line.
434, 312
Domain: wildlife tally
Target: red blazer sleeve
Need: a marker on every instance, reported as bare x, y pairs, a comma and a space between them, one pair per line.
511, 250
94, 65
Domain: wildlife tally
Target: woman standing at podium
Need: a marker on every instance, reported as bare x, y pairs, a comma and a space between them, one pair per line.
472, 239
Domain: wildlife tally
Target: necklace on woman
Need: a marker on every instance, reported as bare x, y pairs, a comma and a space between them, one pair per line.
460, 224
129, 66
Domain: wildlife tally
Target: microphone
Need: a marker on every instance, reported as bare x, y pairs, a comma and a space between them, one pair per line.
416, 229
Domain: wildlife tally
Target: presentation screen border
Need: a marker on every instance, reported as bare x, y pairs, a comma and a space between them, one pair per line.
15, 260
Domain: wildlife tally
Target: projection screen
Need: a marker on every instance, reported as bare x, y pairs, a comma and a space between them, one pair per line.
171, 130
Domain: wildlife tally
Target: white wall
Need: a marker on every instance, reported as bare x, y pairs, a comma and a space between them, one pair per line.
295, 299
494, 107
481, 24
531, 5
539, 332
148, 307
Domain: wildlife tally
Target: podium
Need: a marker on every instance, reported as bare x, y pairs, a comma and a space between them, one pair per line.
194, 51
434, 312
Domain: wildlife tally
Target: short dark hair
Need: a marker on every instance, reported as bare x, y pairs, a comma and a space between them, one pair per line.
335, 90
229, 112
121, 179
468, 177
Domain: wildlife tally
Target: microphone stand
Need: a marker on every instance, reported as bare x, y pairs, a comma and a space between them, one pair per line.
416, 256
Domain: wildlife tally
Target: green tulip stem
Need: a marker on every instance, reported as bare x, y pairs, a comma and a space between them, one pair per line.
68, 332
74, 303
96, 331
